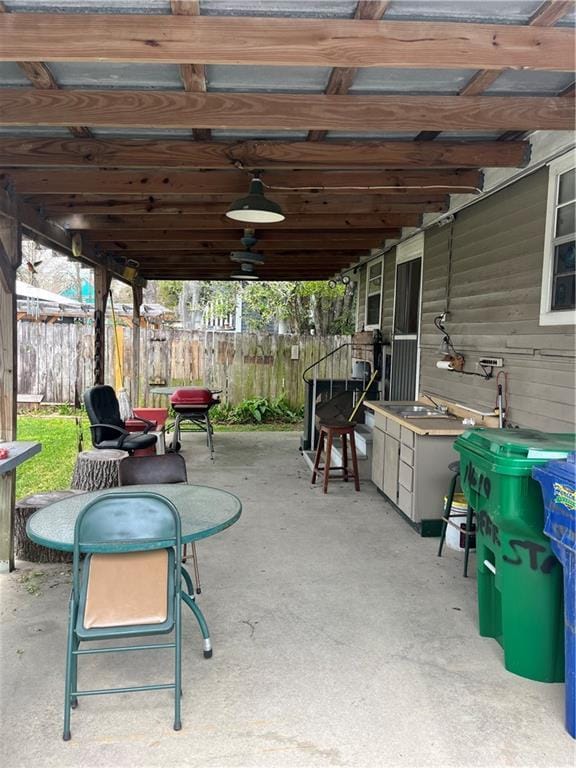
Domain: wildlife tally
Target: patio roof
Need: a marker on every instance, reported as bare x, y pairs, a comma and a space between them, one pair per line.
135, 124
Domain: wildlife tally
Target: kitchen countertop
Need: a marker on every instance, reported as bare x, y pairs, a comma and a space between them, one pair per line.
441, 425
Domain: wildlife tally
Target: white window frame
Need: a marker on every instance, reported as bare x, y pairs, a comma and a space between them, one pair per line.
547, 315
373, 326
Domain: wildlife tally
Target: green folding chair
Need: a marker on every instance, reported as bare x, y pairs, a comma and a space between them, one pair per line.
126, 585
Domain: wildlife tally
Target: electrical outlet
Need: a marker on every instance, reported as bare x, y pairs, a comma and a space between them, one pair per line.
491, 362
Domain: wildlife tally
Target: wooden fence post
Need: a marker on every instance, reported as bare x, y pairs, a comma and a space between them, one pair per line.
102, 279
137, 294
10, 259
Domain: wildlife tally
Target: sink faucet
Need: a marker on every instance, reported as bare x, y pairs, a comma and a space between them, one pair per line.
440, 408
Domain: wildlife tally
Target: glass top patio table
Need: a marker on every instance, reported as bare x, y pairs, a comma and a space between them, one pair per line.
204, 511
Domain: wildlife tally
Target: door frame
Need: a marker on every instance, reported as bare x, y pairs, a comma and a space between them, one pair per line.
410, 250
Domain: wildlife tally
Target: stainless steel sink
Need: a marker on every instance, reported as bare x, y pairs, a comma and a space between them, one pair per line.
415, 411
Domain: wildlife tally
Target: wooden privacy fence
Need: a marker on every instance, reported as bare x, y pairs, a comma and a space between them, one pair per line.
55, 360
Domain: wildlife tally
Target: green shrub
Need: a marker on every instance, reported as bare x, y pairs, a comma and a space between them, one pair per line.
257, 410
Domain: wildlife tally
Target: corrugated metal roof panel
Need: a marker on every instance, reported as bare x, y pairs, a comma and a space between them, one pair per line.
463, 136
492, 11
11, 75
142, 133
383, 80
392, 136
231, 135
89, 6
17, 131
530, 82
267, 79
318, 9
109, 75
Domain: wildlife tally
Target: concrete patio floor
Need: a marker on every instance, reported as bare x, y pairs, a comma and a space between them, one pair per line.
340, 639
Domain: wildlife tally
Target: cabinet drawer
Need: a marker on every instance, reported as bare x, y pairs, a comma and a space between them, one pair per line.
405, 501
407, 455
407, 437
393, 428
405, 476
380, 421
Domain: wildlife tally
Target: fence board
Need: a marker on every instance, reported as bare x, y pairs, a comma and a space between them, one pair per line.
55, 360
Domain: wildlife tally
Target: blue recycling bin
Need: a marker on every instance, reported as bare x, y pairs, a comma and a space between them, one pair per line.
558, 482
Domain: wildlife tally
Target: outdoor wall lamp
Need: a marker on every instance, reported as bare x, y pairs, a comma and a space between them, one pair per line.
341, 279
255, 208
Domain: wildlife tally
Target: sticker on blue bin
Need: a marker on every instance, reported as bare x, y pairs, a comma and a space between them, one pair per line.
565, 496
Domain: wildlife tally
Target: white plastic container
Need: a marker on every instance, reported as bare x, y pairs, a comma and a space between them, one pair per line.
455, 538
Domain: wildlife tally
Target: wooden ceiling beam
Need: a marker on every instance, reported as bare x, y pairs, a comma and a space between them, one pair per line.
272, 260
341, 79
41, 77
141, 38
234, 244
546, 15
285, 111
111, 183
142, 153
225, 275
263, 235
290, 205
318, 221
193, 76
50, 234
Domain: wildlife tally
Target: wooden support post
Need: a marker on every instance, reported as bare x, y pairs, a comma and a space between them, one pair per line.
10, 259
102, 279
135, 383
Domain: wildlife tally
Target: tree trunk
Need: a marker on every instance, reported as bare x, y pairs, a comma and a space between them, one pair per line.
25, 548
96, 470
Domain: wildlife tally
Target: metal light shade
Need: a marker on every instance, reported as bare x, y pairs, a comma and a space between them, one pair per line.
255, 208
246, 272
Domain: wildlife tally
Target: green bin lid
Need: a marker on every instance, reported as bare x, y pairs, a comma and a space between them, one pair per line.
516, 447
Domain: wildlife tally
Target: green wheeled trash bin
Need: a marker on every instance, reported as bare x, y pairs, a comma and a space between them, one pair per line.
520, 595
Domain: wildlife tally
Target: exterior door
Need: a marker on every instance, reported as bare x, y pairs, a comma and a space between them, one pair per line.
405, 339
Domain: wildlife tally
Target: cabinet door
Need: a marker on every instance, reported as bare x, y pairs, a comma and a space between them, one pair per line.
378, 438
391, 462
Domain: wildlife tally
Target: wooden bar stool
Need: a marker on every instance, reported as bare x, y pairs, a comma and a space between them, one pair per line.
344, 432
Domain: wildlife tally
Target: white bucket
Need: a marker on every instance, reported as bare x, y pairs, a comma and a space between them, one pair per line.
455, 537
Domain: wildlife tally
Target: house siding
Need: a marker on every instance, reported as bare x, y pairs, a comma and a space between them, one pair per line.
494, 306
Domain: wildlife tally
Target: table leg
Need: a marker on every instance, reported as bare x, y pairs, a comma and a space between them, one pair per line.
191, 603
188, 579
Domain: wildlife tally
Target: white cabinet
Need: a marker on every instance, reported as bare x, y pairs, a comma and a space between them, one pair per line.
391, 466
378, 439
411, 469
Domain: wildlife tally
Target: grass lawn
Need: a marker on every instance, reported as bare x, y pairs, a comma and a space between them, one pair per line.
52, 468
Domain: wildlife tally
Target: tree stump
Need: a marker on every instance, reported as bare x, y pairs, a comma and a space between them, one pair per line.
24, 548
96, 470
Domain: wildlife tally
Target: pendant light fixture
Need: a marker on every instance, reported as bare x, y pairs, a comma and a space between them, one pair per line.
255, 208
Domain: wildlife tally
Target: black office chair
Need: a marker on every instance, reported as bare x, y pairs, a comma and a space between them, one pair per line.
106, 426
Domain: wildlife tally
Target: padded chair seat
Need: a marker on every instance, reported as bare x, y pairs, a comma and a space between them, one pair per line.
143, 597
132, 443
